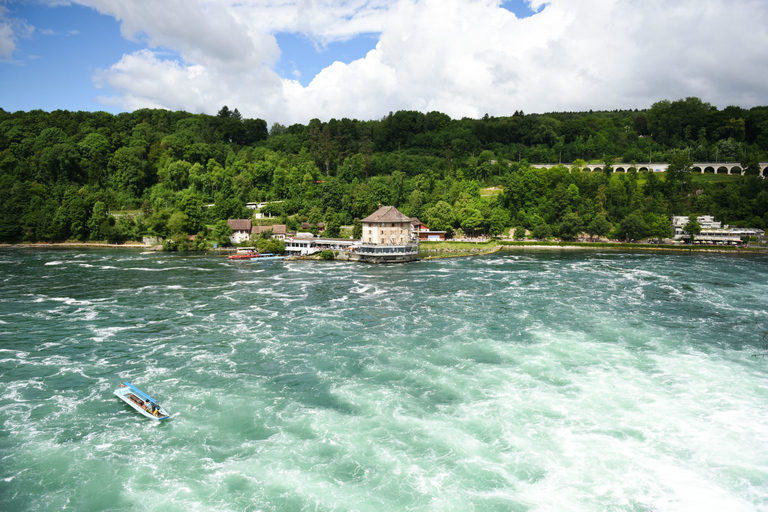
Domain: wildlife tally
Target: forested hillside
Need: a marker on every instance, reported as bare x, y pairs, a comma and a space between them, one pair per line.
80, 175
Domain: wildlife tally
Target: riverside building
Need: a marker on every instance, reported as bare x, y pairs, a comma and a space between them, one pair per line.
387, 237
712, 231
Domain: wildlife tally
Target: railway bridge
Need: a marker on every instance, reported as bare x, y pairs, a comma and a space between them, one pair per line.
730, 168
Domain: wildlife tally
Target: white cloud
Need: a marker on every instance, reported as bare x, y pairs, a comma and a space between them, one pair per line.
145, 81
11, 29
461, 57
7, 40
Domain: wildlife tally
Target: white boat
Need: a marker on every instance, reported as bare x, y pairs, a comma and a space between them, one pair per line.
141, 401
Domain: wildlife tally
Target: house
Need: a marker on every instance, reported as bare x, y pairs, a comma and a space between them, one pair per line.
432, 236
241, 230
387, 237
387, 225
420, 231
278, 231
306, 226
416, 227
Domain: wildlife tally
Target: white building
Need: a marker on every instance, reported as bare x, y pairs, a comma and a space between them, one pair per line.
241, 230
712, 231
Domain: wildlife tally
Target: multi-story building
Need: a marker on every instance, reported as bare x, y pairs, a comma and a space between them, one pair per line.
387, 237
712, 231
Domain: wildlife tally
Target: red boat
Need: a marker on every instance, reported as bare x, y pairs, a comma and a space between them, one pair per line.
244, 253
243, 256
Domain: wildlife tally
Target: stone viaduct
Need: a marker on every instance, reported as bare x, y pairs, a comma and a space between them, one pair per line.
702, 167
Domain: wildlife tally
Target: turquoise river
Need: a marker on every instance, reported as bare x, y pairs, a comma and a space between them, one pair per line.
541, 380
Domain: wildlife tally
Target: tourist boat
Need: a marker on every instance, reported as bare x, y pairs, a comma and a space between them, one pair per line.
244, 253
141, 401
266, 256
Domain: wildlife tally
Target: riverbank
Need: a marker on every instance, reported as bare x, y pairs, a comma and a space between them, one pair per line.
438, 250
76, 245
104, 245
617, 246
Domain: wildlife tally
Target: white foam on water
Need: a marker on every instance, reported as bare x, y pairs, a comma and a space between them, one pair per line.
551, 387
102, 333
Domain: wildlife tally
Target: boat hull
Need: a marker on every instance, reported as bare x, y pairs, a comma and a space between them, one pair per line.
141, 402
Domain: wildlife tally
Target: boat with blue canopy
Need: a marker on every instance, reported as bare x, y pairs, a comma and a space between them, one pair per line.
142, 402
267, 256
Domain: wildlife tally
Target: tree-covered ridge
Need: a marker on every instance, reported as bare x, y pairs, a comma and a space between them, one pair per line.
63, 173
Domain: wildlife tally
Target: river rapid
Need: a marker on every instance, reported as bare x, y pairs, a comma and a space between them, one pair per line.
523, 380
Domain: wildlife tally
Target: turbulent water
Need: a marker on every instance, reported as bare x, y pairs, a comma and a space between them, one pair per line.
528, 380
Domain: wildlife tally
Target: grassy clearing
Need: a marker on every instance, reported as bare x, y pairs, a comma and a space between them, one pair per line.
713, 178
491, 191
432, 250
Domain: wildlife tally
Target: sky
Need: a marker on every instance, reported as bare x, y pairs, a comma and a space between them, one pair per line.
289, 61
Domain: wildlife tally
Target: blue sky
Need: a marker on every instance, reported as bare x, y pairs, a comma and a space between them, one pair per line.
53, 67
291, 60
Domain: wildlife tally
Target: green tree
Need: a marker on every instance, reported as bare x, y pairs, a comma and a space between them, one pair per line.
751, 164
633, 227
357, 229
599, 226
659, 226
470, 219
332, 224
128, 170
679, 175
221, 233
71, 218
98, 225
692, 227
270, 246
191, 204
177, 222
499, 220
571, 226
440, 217
95, 149
175, 175
542, 231
607, 167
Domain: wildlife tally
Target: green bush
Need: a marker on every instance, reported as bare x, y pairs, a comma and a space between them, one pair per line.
327, 255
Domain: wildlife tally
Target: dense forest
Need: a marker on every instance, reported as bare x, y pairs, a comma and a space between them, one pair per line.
82, 175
